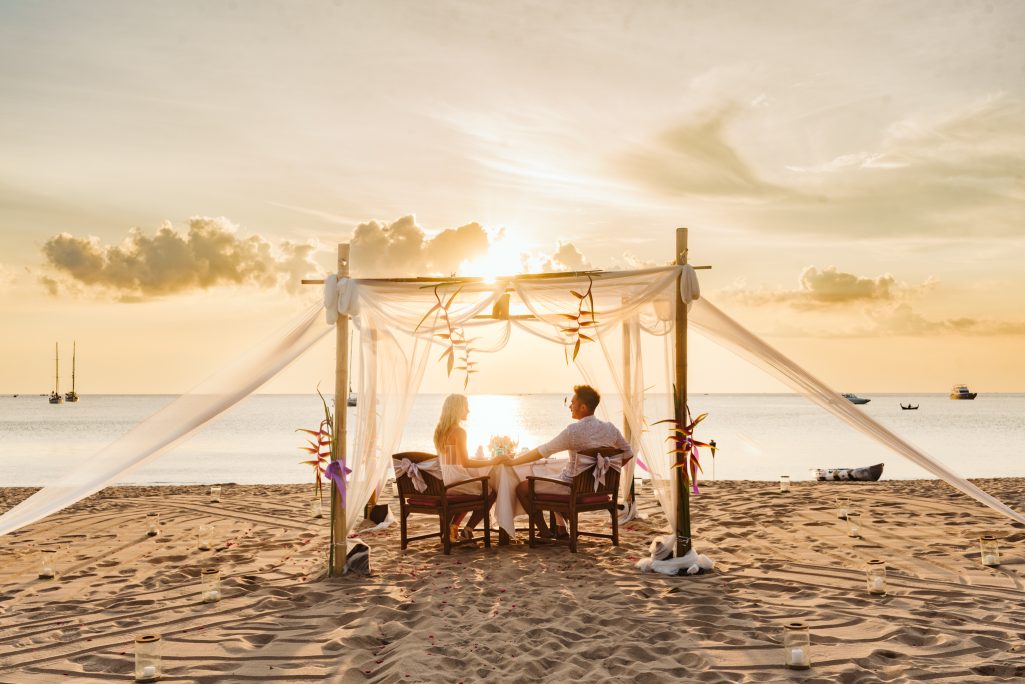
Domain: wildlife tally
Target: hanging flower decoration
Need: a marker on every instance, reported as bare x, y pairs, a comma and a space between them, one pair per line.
320, 446
685, 447
583, 318
458, 349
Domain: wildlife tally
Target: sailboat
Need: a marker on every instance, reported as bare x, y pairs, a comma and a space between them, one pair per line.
55, 395
351, 399
72, 396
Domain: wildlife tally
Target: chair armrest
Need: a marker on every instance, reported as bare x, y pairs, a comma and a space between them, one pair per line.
462, 482
532, 480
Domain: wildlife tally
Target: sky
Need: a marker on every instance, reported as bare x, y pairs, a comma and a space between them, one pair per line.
853, 172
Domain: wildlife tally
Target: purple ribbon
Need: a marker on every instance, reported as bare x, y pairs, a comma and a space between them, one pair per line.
336, 472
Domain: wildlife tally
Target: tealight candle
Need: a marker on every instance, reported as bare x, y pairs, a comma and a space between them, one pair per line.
990, 548
47, 563
204, 534
853, 524
152, 524
784, 483
215, 494
210, 584
796, 646
147, 658
875, 576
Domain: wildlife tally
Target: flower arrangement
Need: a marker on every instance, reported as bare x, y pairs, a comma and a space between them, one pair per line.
685, 447
319, 446
502, 445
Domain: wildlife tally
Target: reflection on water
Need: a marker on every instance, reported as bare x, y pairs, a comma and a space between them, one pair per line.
760, 436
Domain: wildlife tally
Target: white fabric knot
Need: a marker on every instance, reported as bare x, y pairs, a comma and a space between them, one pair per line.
341, 297
602, 465
403, 466
690, 289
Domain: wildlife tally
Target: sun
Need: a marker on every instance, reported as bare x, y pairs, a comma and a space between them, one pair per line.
502, 258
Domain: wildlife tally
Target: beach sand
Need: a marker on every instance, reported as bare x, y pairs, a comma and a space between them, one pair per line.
514, 613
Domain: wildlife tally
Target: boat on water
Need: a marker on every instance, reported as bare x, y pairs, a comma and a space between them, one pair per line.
351, 400
909, 407
962, 392
866, 474
55, 396
72, 396
855, 399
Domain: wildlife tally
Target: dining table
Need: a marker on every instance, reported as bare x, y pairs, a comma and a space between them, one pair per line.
503, 479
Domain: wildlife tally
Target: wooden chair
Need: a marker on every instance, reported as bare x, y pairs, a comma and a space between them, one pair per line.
580, 497
437, 500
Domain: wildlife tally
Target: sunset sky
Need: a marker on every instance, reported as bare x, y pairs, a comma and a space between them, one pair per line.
854, 172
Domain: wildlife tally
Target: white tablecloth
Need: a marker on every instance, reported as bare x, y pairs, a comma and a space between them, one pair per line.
505, 479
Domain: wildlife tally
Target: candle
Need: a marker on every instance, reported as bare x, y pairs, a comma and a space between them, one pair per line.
878, 584
47, 572
213, 595
842, 513
149, 671
990, 559
797, 657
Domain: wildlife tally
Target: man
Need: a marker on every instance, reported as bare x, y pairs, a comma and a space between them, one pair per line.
587, 433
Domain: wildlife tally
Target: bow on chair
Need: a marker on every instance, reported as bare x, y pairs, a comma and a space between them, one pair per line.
336, 472
602, 464
413, 471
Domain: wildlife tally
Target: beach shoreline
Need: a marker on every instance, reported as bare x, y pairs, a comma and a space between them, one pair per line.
515, 613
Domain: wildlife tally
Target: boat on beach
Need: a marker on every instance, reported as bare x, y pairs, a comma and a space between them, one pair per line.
855, 399
962, 392
866, 474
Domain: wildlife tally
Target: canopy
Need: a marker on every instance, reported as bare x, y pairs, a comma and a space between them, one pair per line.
403, 322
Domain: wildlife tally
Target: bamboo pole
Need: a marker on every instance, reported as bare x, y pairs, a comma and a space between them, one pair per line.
339, 548
683, 537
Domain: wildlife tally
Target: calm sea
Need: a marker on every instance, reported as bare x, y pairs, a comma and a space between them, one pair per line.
760, 436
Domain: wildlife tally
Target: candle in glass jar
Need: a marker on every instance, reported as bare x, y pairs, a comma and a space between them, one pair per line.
149, 671
798, 657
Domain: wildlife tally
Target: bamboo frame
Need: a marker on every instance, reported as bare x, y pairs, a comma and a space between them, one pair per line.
337, 559
683, 536
339, 547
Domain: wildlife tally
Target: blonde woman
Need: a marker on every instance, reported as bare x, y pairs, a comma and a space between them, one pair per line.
450, 441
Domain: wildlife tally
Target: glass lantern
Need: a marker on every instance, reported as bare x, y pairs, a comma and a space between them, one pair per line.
47, 563
147, 658
796, 646
204, 537
215, 493
843, 505
853, 524
317, 508
875, 576
152, 524
784, 483
210, 584
990, 548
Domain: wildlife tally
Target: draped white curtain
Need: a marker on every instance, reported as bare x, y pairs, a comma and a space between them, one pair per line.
399, 332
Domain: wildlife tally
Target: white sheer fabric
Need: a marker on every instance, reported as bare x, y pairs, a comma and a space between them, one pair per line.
173, 424
399, 331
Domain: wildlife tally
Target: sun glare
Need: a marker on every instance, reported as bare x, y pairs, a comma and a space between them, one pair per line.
502, 258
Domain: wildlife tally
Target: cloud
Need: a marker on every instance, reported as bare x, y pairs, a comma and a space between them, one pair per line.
209, 254
903, 320
828, 287
403, 248
694, 158
566, 258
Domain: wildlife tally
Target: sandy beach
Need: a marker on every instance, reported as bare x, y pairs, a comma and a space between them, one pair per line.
513, 613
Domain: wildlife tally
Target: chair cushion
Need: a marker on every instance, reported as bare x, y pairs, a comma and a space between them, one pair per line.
564, 498
436, 503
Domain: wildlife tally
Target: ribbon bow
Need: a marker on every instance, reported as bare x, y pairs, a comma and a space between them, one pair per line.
336, 472
414, 471
602, 464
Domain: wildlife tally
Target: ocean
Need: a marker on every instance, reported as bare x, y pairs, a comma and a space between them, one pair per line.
760, 437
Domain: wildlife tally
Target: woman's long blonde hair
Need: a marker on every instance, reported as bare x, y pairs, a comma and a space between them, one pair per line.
452, 411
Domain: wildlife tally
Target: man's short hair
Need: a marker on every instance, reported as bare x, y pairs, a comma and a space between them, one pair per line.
588, 395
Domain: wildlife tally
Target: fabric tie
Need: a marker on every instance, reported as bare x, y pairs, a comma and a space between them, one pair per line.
341, 297
690, 289
415, 471
336, 472
602, 465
